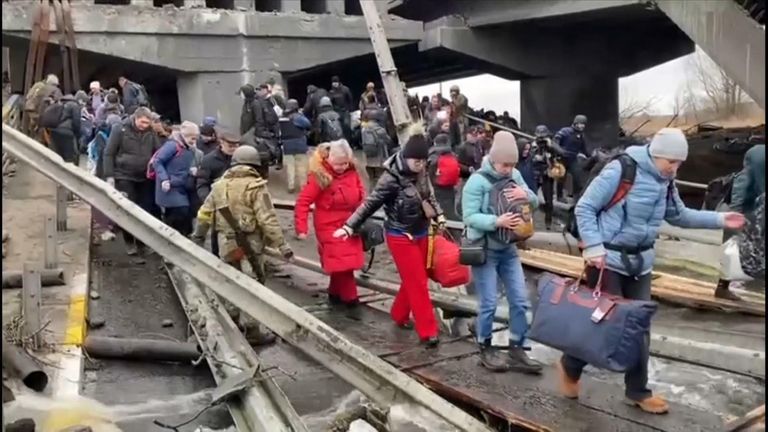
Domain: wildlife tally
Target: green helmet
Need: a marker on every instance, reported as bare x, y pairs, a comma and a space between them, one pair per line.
246, 155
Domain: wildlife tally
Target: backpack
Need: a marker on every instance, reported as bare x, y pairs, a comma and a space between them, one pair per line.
501, 205
142, 97
719, 191
369, 142
627, 180
151, 173
448, 170
34, 96
332, 127
53, 116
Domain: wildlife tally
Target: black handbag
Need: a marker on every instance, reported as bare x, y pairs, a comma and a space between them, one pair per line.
372, 234
472, 252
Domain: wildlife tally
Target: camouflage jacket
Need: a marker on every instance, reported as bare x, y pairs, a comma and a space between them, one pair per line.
245, 192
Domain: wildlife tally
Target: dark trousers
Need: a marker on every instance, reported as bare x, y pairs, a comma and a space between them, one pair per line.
635, 379
374, 172
573, 170
178, 218
446, 197
64, 145
142, 193
214, 242
547, 185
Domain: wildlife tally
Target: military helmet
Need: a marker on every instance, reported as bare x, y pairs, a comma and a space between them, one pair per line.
454, 88
291, 105
325, 101
581, 118
541, 131
246, 155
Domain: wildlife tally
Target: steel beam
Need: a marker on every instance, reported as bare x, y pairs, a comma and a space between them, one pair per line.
375, 378
263, 406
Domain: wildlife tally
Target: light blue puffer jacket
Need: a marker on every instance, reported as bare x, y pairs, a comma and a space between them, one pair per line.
475, 203
636, 220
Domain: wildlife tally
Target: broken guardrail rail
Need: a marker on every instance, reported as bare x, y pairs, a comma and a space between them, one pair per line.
379, 381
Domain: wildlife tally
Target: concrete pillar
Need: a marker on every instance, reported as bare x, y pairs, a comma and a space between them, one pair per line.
555, 101
290, 6
194, 3
147, 3
17, 59
335, 7
216, 94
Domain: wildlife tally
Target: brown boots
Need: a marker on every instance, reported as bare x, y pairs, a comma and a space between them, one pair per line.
569, 388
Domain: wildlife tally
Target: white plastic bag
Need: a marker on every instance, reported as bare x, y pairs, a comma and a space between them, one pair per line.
730, 262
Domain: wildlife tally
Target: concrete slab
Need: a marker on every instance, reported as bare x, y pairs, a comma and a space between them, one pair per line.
30, 198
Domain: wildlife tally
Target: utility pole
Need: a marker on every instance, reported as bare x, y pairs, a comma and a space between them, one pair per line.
396, 96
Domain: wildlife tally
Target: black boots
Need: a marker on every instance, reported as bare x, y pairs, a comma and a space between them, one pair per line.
492, 358
516, 360
723, 291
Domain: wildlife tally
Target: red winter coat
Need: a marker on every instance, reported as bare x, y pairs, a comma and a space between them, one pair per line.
334, 203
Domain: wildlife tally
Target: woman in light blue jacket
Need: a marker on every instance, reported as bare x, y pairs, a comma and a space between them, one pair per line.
502, 260
620, 240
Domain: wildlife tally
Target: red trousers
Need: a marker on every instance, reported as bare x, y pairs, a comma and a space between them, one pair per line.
410, 257
343, 285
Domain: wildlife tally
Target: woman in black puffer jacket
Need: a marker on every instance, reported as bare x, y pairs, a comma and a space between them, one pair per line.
410, 206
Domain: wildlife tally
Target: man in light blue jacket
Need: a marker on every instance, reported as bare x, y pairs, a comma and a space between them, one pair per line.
502, 259
620, 240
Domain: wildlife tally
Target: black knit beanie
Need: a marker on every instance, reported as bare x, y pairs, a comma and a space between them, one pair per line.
417, 147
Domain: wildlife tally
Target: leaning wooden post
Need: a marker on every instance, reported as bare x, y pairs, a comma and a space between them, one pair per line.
31, 302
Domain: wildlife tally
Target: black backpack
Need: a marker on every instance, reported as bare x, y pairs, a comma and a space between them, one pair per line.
719, 191
332, 128
53, 116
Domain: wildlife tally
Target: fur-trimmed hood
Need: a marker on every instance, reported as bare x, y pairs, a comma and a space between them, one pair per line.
319, 167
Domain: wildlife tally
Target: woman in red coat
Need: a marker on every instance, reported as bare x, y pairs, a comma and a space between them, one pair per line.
335, 188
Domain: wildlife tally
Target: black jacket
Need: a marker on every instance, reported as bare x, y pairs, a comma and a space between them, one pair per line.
312, 105
341, 98
211, 169
128, 151
470, 158
248, 115
70, 123
400, 192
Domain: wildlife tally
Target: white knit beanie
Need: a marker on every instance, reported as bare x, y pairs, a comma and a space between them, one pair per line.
669, 143
189, 129
504, 148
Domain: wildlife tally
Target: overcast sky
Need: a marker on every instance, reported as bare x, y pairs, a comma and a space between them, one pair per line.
490, 92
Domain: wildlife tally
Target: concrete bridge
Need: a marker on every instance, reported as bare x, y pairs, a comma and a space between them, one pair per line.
567, 54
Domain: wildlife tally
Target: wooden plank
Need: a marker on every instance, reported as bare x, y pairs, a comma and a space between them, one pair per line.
67, 79
69, 30
45, 29
675, 289
33, 46
750, 419
524, 401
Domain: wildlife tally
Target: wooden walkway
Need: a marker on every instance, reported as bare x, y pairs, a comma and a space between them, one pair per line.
666, 287
452, 370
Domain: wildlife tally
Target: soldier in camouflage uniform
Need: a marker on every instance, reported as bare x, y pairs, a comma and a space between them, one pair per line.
245, 194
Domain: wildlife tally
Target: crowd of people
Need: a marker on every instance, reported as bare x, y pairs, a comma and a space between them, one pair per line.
448, 169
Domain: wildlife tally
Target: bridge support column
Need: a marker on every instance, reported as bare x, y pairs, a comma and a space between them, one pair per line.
555, 101
335, 7
243, 4
216, 94
290, 6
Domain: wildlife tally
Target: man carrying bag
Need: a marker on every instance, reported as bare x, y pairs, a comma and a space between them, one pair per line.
619, 250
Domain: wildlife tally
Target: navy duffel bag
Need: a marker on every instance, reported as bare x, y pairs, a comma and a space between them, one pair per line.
602, 329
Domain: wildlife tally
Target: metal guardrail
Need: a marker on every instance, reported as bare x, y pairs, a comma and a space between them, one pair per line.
531, 137
261, 407
375, 378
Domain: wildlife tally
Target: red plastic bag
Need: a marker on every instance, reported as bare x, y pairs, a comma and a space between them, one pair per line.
446, 269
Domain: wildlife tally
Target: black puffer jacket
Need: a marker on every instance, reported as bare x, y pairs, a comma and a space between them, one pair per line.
213, 166
400, 192
129, 150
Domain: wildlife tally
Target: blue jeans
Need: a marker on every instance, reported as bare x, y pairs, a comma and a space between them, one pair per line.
505, 264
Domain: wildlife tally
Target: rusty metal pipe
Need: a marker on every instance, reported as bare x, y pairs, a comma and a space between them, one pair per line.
141, 349
20, 364
48, 277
